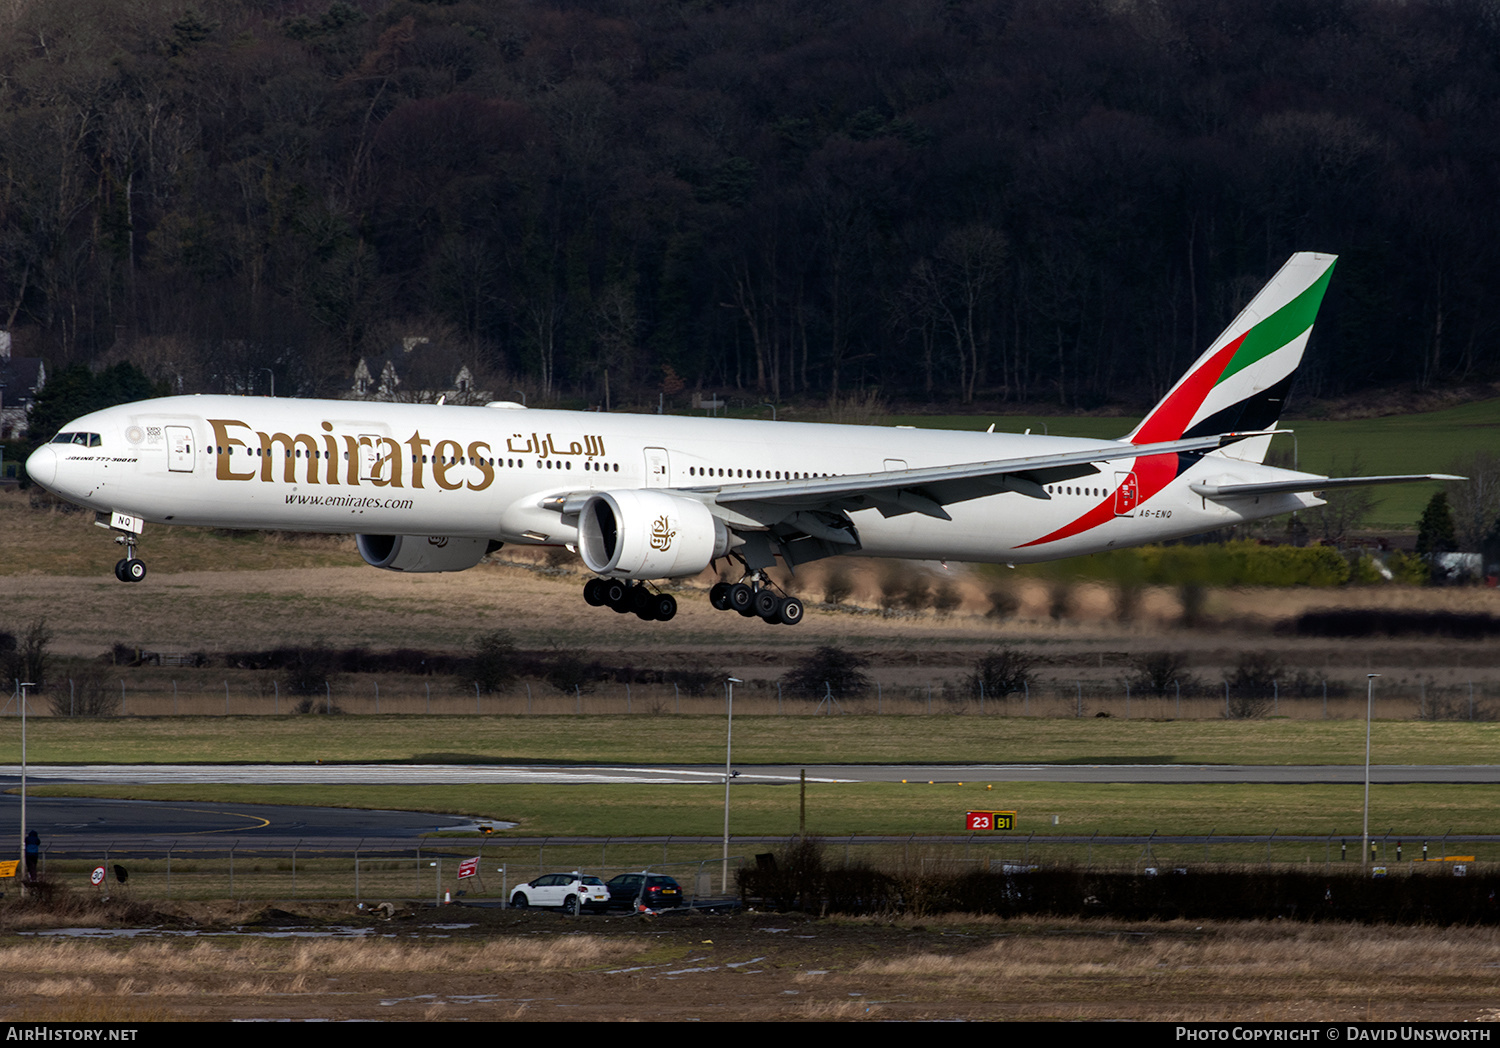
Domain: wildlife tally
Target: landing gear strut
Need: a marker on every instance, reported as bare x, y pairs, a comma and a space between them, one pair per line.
132, 568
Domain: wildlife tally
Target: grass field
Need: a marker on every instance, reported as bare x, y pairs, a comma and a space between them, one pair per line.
837, 810
757, 740
56, 539
508, 966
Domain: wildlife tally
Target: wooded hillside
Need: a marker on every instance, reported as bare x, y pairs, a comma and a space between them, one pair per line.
1055, 201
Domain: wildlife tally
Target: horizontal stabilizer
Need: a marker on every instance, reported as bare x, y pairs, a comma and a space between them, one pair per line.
1282, 487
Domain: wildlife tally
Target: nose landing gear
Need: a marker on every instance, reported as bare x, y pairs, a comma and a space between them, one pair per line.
131, 568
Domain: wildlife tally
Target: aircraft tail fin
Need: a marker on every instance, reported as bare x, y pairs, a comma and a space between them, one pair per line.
1239, 384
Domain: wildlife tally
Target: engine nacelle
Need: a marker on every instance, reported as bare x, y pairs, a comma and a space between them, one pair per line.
422, 552
643, 534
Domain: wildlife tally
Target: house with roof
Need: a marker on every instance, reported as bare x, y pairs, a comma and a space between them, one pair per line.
21, 379
420, 374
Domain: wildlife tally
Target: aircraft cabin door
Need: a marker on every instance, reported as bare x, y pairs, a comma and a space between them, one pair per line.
180, 444
658, 474
1127, 493
370, 462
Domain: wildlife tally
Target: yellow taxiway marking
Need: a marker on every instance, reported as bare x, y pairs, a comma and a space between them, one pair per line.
263, 823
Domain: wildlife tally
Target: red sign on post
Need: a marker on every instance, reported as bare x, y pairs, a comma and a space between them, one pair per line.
468, 868
990, 820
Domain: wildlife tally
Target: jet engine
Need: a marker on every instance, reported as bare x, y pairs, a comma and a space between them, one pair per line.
643, 534
422, 552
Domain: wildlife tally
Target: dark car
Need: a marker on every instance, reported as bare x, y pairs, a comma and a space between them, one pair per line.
651, 890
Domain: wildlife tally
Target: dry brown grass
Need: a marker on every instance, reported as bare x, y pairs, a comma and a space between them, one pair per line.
530, 966
59, 965
1272, 970
98, 1010
839, 1011
76, 981
63, 908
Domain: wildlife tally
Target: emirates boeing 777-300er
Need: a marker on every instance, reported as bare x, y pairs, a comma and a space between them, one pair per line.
430, 487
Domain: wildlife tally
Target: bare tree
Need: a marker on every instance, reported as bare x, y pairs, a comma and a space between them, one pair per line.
90, 693
1343, 511
25, 658
1475, 503
956, 287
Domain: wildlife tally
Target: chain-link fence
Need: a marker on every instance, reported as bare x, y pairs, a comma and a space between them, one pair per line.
487, 870
229, 695
420, 873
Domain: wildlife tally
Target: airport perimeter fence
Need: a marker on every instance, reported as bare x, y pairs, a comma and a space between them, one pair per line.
371, 873
225, 695
363, 873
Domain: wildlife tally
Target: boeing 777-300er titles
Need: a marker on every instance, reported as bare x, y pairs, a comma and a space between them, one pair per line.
427, 487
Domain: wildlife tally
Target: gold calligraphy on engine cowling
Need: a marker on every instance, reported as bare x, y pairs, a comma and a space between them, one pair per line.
662, 534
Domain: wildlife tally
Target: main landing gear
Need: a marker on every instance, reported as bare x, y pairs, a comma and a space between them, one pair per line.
756, 597
132, 568
625, 597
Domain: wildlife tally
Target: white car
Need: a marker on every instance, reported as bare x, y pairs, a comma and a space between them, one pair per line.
573, 892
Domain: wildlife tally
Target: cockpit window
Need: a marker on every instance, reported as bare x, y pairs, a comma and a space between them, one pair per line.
89, 440
64, 438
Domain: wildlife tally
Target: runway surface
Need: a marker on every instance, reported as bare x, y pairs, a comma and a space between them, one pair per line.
100, 819
538, 774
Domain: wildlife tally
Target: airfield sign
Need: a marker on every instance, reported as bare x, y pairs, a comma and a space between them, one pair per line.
990, 820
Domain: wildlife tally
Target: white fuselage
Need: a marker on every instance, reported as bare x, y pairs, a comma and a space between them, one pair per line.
486, 472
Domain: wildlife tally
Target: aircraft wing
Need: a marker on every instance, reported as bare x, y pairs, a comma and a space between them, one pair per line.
928, 489
1236, 491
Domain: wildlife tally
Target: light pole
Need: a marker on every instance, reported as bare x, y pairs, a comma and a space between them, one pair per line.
23, 685
268, 371
1364, 846
728, 757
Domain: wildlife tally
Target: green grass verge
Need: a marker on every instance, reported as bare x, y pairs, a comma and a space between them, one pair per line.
757, 740
58, 542
839, 810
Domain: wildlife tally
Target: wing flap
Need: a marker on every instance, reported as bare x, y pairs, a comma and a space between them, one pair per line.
941, 485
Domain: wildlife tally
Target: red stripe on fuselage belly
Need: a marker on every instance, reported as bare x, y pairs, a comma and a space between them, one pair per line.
1151, 475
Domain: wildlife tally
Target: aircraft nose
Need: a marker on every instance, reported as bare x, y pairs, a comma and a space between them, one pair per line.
42, 465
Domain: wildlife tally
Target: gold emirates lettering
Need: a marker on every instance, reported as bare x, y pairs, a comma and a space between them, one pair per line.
384, 452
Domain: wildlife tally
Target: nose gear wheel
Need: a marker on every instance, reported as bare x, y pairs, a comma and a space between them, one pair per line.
131, 568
